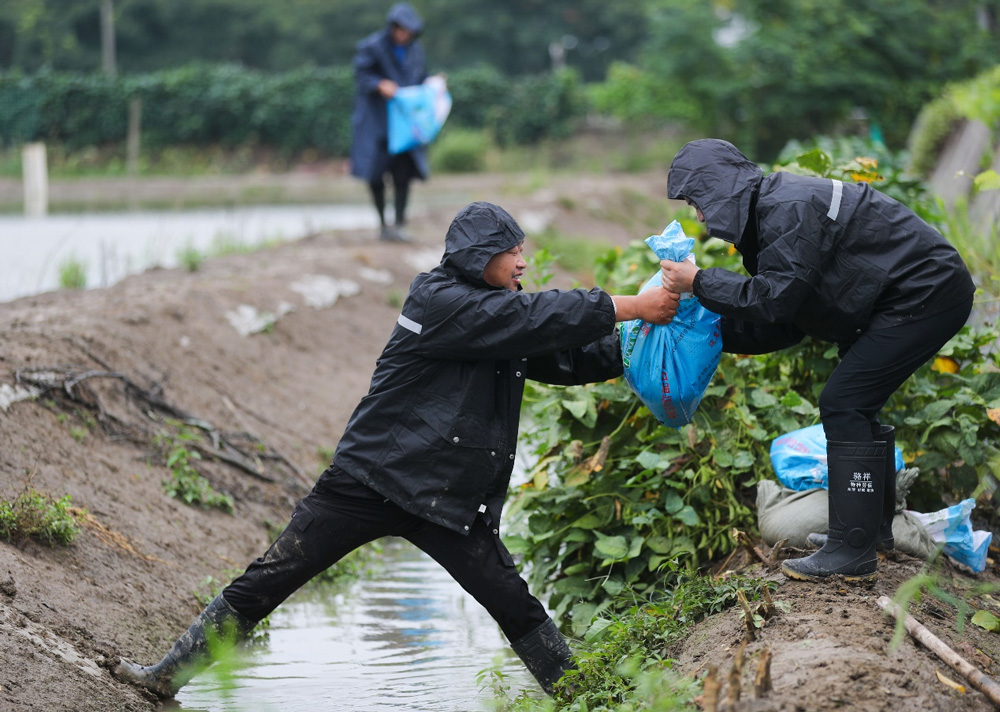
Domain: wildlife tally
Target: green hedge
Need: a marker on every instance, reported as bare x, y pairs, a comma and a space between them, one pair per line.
304, 109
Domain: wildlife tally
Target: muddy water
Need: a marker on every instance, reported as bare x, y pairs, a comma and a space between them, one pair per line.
405, 638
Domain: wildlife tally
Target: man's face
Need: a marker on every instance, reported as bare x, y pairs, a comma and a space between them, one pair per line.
506, 268
401, 36
701, 216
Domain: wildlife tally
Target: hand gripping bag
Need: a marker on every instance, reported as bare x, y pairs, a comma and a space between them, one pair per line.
670, 366
799, 458
417, 113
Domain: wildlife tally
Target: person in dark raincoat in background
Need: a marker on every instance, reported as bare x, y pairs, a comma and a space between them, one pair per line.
842, 263
384, 61
427, 455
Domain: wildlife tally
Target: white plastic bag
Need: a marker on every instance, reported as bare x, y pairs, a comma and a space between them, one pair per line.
952, 527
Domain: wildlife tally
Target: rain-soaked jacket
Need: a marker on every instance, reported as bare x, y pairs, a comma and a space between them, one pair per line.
826, 258
437, 431
375, 60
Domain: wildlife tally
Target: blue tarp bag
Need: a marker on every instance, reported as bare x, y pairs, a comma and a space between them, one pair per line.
670, 366
799, 458
416, 114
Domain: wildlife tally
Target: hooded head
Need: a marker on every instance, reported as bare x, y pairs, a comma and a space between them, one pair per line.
479, 231
720, 181
405, 16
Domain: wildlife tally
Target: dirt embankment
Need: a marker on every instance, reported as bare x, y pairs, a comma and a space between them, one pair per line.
161, 348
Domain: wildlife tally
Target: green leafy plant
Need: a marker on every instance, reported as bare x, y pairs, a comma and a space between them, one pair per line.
190, 258
38, 516
185, 482
72, 274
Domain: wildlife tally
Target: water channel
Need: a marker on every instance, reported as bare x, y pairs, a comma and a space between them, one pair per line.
405, 637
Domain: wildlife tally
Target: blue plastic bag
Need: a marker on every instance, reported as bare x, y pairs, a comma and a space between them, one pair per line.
416, 114
952, 527
670, 366
799, 458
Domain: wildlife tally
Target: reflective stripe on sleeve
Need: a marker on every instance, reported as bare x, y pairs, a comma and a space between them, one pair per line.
838, 190
409, 324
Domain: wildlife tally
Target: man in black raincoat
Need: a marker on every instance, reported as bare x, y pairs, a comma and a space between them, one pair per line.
428, 453
384, 61
842, 263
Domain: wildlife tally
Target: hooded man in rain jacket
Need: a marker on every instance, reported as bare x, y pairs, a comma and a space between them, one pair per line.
384, 61
838, 262
428, 453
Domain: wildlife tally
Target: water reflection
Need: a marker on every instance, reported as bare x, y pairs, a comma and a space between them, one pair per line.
408, 638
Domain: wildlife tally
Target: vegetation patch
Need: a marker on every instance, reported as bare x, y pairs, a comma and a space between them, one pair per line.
38, 516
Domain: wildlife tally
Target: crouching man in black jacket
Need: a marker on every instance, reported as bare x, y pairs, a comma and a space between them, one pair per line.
428, 453
842, 263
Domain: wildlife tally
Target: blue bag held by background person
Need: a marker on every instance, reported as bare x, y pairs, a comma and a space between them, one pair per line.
799, 458
670, 366
417, 113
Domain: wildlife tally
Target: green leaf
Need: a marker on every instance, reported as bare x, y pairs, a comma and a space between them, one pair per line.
688, 516
614, 547
659, 544
987, 180
597, 630
985, 619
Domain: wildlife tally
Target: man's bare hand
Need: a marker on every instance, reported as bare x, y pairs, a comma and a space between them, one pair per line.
387, 88
655, 305
678, 276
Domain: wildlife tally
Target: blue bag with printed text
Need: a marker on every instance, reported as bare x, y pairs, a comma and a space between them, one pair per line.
416, 114
670, 366
799, 458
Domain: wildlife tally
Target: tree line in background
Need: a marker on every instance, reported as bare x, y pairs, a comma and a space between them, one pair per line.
758, 72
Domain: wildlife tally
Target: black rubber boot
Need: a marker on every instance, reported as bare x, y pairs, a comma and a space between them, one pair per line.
887, 434
545, 653
219, 622
885, 542
857, 482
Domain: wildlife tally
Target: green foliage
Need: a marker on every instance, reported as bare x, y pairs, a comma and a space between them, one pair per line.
40, 517
72, 274
190, 258
459, 150
976, 99
614, 496
185, 482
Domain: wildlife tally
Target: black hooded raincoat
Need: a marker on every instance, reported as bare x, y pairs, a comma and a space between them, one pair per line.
375, 60
437, 431
826, 258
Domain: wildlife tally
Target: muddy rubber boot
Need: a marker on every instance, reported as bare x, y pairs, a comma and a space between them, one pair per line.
545, 653
190, 654
885, 542
857, 481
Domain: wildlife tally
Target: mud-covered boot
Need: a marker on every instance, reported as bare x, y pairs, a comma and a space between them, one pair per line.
545, 653
856, 481
886, 541
190, 654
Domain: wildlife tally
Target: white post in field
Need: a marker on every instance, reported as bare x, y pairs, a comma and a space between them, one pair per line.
36, 180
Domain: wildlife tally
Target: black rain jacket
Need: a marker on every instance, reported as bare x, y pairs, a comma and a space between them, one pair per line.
826, 258
437, 431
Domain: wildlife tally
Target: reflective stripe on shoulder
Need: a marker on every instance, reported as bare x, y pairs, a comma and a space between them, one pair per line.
409, 324
838, 191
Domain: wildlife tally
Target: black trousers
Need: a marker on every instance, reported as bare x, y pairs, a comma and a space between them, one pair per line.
876, 365
341, 514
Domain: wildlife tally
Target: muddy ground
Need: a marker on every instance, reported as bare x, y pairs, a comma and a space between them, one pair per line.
118, 366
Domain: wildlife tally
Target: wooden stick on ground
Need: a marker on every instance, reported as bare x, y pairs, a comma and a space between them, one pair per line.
977, 679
